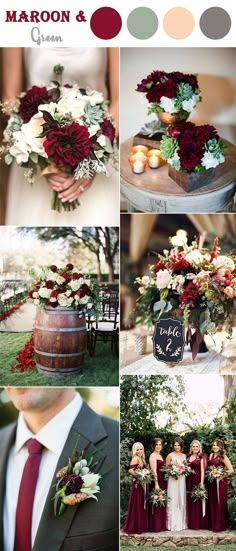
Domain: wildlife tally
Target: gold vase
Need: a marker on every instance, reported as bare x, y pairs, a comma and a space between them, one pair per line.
172, 118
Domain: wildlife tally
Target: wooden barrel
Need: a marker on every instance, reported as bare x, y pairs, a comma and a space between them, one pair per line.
59, 341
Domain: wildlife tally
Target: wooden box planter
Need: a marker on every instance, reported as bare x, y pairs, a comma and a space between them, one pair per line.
193, 180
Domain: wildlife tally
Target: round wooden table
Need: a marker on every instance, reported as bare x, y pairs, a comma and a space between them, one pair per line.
155, 191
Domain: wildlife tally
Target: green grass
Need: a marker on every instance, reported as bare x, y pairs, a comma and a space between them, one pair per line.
100, 370
192, 548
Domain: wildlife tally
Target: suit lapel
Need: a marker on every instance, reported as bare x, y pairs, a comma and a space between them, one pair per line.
53, 530
7, 440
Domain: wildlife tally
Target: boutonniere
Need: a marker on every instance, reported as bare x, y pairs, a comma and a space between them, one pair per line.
76, 481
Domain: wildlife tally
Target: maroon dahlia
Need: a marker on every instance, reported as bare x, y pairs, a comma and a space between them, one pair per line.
108, 130
30, 102
74, 481
167, 88
70, 266
68, 145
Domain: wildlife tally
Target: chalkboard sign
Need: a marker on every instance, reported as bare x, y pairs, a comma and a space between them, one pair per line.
168, 340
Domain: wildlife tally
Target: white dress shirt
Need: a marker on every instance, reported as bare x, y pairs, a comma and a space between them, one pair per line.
53, 436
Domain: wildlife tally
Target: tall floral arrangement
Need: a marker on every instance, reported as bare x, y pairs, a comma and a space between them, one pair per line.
64, 286
193, 284
192, 148
173, 92
59, 128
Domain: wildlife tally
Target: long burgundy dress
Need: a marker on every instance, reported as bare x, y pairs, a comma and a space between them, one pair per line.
157, 515
137, 515
195, 519
218, 509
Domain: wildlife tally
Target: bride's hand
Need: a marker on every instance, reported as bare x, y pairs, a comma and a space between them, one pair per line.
68, 188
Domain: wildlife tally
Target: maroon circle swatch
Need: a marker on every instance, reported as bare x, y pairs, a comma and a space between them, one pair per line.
106, 23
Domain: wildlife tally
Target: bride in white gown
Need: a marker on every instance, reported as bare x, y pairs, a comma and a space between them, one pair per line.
176, 491
99, 199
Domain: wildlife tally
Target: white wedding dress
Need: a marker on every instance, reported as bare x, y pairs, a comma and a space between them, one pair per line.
176, 491
30, 205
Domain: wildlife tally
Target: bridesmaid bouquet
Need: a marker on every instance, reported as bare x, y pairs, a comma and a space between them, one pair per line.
59, 128
216, 473
199, 493
177, 469
158, 498
66, 287
174, 92
192, 148
144, 477
190, 283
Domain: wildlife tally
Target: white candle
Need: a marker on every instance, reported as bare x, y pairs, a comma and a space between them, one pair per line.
138, 167
153, 161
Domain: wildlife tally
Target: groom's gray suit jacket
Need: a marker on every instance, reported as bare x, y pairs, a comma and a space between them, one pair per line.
91, 525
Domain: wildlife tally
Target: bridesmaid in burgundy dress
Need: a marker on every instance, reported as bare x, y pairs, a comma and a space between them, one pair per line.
137, 515
218, 500
196, 510
157, 515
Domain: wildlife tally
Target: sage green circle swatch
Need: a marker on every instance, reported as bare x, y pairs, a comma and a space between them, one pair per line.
215, 23
142, 23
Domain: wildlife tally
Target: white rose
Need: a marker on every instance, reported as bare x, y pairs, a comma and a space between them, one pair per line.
94, 97
70, 104
168, 104
141, 290
36, 301
20, 150
210, 161
68, 293
222, 261
62, 299
74, 284
31, 130
44, 292
178, 240
194, 257
102, 140
163, 278
145, 280
35, 294
189, 104
93, 129
49, 107
59, 279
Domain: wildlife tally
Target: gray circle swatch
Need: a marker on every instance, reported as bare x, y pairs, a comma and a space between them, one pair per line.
142, 23
215, 23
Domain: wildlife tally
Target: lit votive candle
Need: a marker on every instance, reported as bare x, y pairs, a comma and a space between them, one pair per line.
138, 162
154, 158
138, 148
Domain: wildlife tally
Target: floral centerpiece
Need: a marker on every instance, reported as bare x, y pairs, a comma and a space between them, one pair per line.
64, 286
76, 481
193, 284
199, 493
193, 148
158, 498
177, 469
59, 128
172, 93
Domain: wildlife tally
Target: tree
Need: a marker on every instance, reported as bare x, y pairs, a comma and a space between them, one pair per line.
99, 240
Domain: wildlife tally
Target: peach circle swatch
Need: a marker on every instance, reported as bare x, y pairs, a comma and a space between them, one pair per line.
178, 23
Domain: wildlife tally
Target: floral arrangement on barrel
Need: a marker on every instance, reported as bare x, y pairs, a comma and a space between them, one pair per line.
64, 286
59, 128
192, 148
190, 283
171, 93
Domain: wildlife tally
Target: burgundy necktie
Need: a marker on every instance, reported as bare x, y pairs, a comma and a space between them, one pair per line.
25, 502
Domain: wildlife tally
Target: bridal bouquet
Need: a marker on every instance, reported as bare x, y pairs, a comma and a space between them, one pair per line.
143, 476
60, 128
190, 283
158, 498
177, 469
199, 493
66, 287
192, 148
216, 473
170, 92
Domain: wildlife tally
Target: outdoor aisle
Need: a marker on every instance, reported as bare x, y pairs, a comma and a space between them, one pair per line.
20, 321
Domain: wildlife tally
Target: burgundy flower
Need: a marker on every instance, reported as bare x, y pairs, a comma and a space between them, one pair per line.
74, 481
30, 102
167, 88
53, 268
66, 277
62, 289
178, 129
54, 293
189, 295
68, 145
159, 266
190, 153
49, 284
69, 266
75, 275
108, 130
